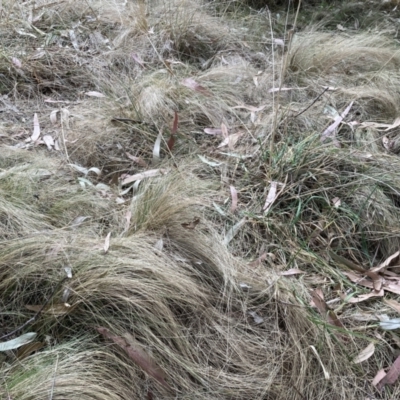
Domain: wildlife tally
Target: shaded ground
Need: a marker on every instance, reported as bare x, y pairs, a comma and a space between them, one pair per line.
199, 200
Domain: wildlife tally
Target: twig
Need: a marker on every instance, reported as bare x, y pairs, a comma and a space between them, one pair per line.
285, 60
315, 100
37, 315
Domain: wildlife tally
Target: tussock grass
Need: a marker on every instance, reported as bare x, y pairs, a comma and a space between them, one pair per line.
37, 195
210, 308
76, 368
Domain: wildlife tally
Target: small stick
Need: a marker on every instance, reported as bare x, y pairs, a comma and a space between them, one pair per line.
316, 99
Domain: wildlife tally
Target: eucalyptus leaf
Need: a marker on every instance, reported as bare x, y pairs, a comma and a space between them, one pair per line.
17, 342
390, 324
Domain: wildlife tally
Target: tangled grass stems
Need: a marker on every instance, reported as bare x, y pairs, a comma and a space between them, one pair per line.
153, 265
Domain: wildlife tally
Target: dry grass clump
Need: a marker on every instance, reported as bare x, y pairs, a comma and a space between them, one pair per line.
77, 369
40, 193
194, 325
158, 95
360, 67
181, 29
57, 47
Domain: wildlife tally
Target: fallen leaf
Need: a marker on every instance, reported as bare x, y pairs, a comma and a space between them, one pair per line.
53, 117
365, 354
359, 279
387, 284
392, 375
279, 42
49, 141
284, 89
234, 196
393, 304
334, 320
78, 221
27, 349
233, 231
36, 128
330, 131
146, 174
387, 263
257, 319
157, 147
378, 125
192, 224
318, 301
378, 377
137, 160
159, 244
224, 130
393, 287
231, 140
326, 87
390, 324
363, 297
16, 62
244, 286
213, 131
192, 84
68, 272
138, 355
49, 100
95, 94
208, 162
17, 342
271, 197
395, 124
107, 242
292, 271
377, 281
336, 202
84, 170
387, 143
